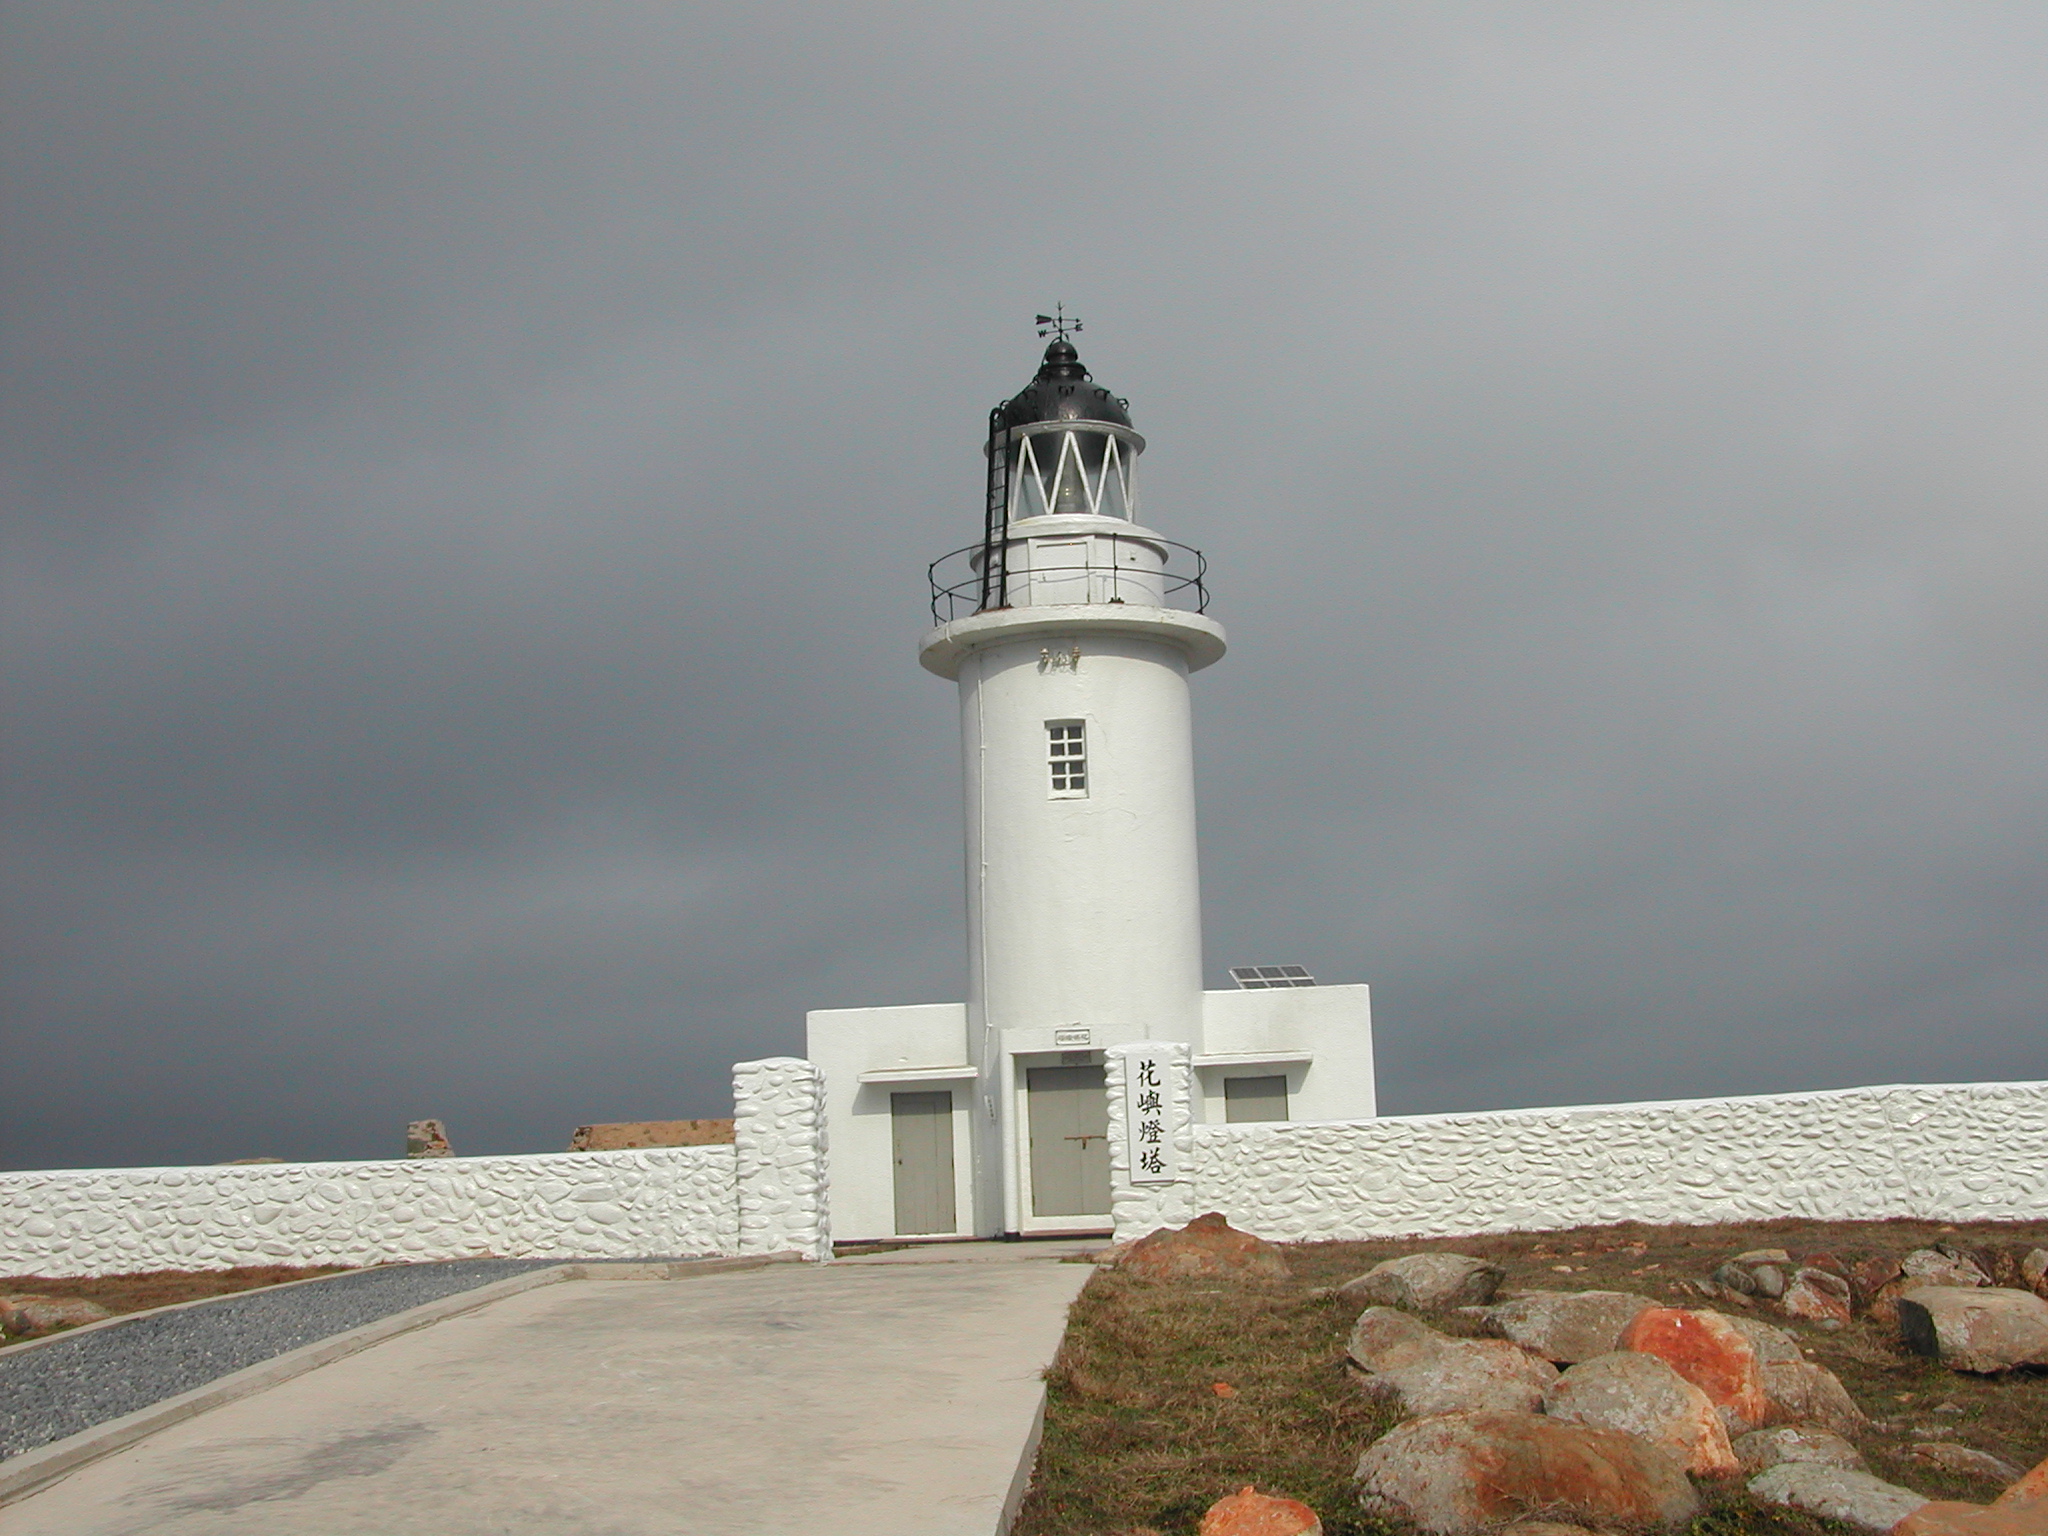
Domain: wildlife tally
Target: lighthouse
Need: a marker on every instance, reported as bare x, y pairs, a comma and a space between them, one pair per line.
1071, 630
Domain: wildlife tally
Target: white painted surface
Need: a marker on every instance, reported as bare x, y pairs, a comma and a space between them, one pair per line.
669, 1201
779, 1167
1968, 1152
920, 1046
1273, 1031
1082, 911
1136, 1209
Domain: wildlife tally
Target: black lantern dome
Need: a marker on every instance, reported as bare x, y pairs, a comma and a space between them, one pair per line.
1064, 391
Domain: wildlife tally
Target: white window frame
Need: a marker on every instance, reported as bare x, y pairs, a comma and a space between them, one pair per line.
1061, 766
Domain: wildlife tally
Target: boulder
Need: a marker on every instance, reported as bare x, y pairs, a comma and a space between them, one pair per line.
1982, 1331
1207, 1248
1762, 1448
1964, 1461
1543, 1528
1800, 1392
1709, 1351
2034, 1271
1641, 1395
1567, 1326
1817, 1296
1836, 1493
1427, 1282
1941, 1265
1771, 1344
1460, 1472
1869, 1276
1425, 1373
1384, 1339
27, 1313
1939, 1517
427, 1138
1777, 1256
2022, 1510
1251, 1513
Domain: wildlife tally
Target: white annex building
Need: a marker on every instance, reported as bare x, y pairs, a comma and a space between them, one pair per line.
1071, 631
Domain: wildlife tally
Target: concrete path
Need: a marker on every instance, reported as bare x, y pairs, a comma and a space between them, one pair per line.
895, 1393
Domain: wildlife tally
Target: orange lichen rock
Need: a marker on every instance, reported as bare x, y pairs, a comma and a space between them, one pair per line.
1251, 1513
1709, 1351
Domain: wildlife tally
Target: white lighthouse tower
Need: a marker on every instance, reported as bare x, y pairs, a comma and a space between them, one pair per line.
1071, 630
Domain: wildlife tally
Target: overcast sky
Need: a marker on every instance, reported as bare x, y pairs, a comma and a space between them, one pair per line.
469, 472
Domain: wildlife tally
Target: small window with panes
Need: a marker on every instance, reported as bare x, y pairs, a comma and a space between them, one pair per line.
1067, 741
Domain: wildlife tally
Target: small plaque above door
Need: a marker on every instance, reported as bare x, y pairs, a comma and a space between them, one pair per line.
1072, 1037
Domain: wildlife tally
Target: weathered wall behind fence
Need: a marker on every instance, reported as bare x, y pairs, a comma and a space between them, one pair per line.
1966, 1152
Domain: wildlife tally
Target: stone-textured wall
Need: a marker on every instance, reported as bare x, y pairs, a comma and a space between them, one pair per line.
1136, 1209
1960, 1153
778, 1107
671, 1201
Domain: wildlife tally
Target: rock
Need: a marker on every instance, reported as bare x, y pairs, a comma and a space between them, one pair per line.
1735, 1278
1459, 1472
427, 1138
1939, 1517
1709, 1351
2022, 1510
1769, 1343
1207, 1248
1762, 1448
1251, 1513
1965, 1461
1427, 1282
1568, 1326
1777, 1256
1978, 1330
1942, 1265
1543, 1528
625, 1135
2030, 1489
1800, 1392
1817, 1296
1869, 1276
1405, 1362
2034, 1271
1836, 1493
1384, 1339
27, 1313
1640, 1395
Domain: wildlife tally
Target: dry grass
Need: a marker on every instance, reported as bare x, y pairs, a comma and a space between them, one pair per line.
1166, 1396
161, 1287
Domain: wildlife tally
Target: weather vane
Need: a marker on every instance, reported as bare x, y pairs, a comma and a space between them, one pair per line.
1057, 323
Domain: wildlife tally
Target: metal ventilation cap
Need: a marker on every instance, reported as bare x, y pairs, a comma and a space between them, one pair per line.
1263, 978
1064, 391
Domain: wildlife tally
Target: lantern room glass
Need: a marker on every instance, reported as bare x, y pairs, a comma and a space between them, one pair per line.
1070, 471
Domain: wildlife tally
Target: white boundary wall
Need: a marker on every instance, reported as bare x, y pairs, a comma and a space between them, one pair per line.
1967, 1152
766, 1194
670, 1201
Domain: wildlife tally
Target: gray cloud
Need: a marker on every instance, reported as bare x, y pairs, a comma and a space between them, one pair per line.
469, 471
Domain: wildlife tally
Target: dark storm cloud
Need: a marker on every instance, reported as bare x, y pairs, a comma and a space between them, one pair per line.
469, 468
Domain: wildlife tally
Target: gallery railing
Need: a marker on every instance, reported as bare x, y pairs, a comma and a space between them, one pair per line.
1180, 582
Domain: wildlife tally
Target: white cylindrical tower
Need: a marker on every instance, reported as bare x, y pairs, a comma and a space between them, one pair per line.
1071, 631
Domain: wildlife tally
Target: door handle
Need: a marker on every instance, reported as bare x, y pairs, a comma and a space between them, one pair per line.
1084, 1140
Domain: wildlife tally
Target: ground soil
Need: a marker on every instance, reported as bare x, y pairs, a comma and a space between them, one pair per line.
1165, 1396
158, 1288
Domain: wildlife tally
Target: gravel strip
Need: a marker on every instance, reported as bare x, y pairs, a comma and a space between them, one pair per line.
68, 1385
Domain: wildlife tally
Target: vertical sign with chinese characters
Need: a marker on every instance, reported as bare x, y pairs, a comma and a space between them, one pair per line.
1148, 1119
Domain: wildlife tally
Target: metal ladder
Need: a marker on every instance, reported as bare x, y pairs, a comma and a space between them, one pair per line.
995, 531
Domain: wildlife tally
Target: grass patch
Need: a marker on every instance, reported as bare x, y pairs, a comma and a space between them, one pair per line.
1165, 1396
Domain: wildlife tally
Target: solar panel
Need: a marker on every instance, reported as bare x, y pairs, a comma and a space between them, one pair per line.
1260, 978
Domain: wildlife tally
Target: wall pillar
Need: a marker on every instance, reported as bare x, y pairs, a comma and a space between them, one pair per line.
1151, 1136
778, 1109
